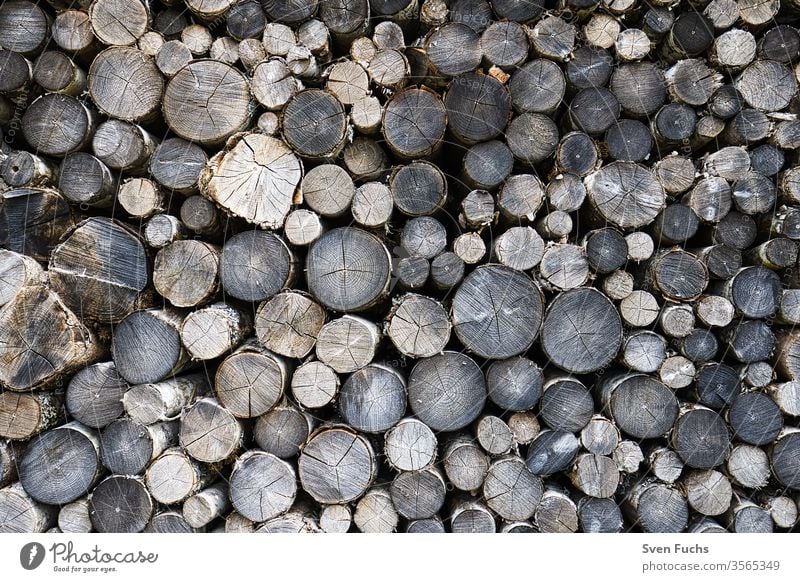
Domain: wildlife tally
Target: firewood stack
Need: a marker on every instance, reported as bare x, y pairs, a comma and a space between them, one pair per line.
399, 265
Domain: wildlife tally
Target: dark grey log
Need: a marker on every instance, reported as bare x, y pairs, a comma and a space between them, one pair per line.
477, 14
776, 253
282, 431
784, 459
419, 188
678, 275
411, 272
294, 11
100, 270
735, 230
717, 385
25, 27
56, 125
590, 67
453, 49
314, 124
552, 451
176, 164
722, 261
593, 337
701, 438
629, 140
577, 154
169, 522
537, 86
255, 265
246, 20
692, 82
120, 505
557, 513
365, 159
553, 38
414, 123
641, 406
209, 432
606, 250
365, 258
478, 107
657, 508
94, 395
487, 165
780, 44
336, 465
505, 45
149, 403
593, 110
639, 88
754, 291
127, 447
424, 237
418, 494
755, 418
200, 215
477, 209
19, 513
262, 486
84, 179
513, 321
750, 341
447, 391
599, 515
746, 517
566, 404
430, 525
373, 399
530, 151
123, 146
465, 464
24, 415
675, 224
754, 194
61, 465
447, 271
749, 126
767, 85
514, 384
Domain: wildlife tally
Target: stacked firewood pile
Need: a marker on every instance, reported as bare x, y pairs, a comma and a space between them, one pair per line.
399, 265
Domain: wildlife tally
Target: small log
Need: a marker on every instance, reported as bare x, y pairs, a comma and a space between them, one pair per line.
375, 512
176, 165
537, 86
61, 465
32, 360
185, 272
201, 216
515, 317
169, 522
599, 515
19, 513
521, 197
273, 84
100, 270
172, 57
94, 396
618, 285
750, 341
372, 205
17, 271
640, 246
74, 517
676, 372
157, 402
289, 324
127, 447
22, 169
486, 165
174, 476
555, 226
469, 247
429, 525
526, 150
302, 227
511, 490
708, 492
643, 351
204, 507
477, 210
564, 266
282, 430
556, 513
717, 385
787, 396
701, 437
150, 42
600, 436
365, 159
746, 517
721, 260
23, 416
465, 464
748, 466
347, 343
251, 381
315, 385
576, 154
595, 323
552, 451
120, 505
595, 475
84, 179
418, 494
657, 507
336, 465
123, 146
25, 27
342, 251
566, 404
337, 518
366, 115
783, 456
754, 291
494, 435
424, 237
262, 486
469, 516
677, 320
209, 432
72, 31
753, 82
366, 386
141, 198
348, 81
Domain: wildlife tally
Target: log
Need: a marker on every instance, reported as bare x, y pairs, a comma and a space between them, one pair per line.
208, 115
372, 205
552, 451
201, 216
94, 396
748, 466
25, 27
641, 406
643, 351
316, 385
302, 227
701, 437
564, 266
375, 512
566, 404
746, 517
418, 189
262, 486
157, 402
19, 513
202, 508
123, 82
657, 507
337, 518
169, 522
107, 18
72, 31
487, 165
348, 343
478, 107
336, 465
282, 430
372, 384
32, 359
595, 324
61, 465
600, 436
625, 194
424, 237
176, 165
469, 516
599, 515
511, 490
186, 272
255, 265
23, 416
146, 347
418, 494
556, 513
123, 146
108, 286
141, 198
57, 125
21, 169
514, 384
74, 517
783, 458
595, 475
127, 447
84, 179
418, 326
465, 464
342, 251
494, 435
446, 391
174, 477
273, 85
289, 324
110, 515
414, 123
209, 432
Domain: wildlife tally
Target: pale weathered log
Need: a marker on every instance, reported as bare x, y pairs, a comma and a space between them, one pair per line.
316, 385
24, 415
174, 476
156, 402
186, 272
283, 430
204, 507
19, 513
511, 490
375, 512
209, 432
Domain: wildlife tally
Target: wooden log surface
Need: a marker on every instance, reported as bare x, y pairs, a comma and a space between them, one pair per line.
405, 265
